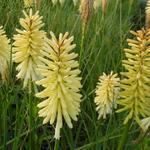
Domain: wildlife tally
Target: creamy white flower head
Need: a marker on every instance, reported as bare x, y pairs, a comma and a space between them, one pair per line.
106, 94
61, 83
145, 123
4, 54
28, 3
28, 46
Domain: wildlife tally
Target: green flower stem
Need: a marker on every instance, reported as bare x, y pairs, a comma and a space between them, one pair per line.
31, 140
82, 41
124, 137
130, 6
56, 144
5, 125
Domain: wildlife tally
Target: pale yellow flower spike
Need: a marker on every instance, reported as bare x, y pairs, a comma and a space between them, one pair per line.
28, 47
61, 82
4, 54
28, 3
135, 94
106, 94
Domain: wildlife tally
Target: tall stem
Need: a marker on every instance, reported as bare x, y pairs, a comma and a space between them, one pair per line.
124, 137
5, 124
82, 41
130, 6
56, 144
30, 117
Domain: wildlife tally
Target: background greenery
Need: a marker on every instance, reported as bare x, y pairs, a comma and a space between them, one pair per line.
104, 41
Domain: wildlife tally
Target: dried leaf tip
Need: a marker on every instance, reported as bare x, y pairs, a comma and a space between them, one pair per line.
104, 6
85, 10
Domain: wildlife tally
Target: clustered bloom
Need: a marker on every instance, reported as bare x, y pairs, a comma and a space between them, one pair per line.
106, 94
135, 94
4, 54
28, 3
28, 47
61, 83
